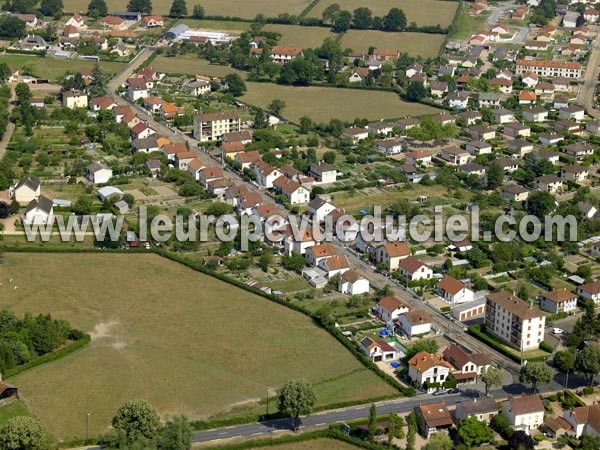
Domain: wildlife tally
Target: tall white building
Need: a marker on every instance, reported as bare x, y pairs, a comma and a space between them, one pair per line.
514, 320
210, 127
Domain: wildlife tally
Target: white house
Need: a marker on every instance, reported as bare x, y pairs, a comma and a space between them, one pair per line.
414, 269
415, 323
335, 265
427, 368
584, 419
39, 211
454, 291
523, 413
316, 253
98, 173
323, 173
25, 190
318, 209
590, 291
355, 134
353, 283
377, 350
559, 300
390, 308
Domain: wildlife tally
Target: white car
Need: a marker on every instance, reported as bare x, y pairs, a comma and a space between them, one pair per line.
557, 330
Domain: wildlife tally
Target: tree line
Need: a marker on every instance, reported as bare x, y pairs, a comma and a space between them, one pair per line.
22, 340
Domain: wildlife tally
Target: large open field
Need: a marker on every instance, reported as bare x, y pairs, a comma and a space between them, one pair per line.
305, 37
167, 334
248, 9
415, 44
191, 65
315, 444
322, 104
423, 12
54, 68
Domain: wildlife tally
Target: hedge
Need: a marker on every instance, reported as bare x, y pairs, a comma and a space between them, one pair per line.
546, 347
475, 331
49, 357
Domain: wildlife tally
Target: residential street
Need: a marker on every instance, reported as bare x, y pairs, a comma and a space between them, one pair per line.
494, 17
587, 91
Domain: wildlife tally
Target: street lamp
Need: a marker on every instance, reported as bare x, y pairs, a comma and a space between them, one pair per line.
87, 426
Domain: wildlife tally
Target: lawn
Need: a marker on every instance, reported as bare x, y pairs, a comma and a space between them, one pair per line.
423, 12
291, 285
164, 333
247, 9
13, 409
299, 36
323, 443
322, 103
415, 44
218, 25
191, 65
53, 68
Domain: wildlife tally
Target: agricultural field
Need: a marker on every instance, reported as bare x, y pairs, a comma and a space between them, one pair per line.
423, 12
228, 26
323, 443
54, 68
247, 9
305, 37
415, 44
322, 104
192, 65
164, 333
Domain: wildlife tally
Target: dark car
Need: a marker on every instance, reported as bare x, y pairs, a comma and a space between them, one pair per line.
453, 391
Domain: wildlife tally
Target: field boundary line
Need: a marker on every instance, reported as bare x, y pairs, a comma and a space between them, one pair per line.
308, 9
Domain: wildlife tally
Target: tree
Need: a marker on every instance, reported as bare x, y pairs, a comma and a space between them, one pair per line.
587, 362
260, 119
329, 157
21, 433
176, 434
265, 261
534, 373
82, 206
293, 262
362, 18
540, 204
391, 430
439, 441
342, 22
51, 8
424, 345
137, 420
178, 9
23, 93
394, 20
276, 107
589, 442
296, 398
198, 12
143, 6
5, 210
97, 8
99, 84
331, 12
416, 92
4, 72
306, 124
412, 431
491, 376
495, 176
474, 432
12, 27
372, 422
521, 440
235, 85
565, 362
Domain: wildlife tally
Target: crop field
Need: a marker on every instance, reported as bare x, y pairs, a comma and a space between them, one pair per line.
228, 26
247, 9
164, 333
191, 65
54, 68
305, 37
423, 12
415, 44
322, 103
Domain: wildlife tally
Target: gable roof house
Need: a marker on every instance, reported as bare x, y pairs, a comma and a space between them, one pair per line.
579, 150
428, 368
435, 417
454, 291
584, 419
467, 366
390, 308
558, 300
323, 173
519, 147
524, 413
355, 134
414, 269
575, 173
25, 190
294, 192
590, 291
39, 211
377, 350
513, 192
98, 173
415, 323
391, 253
353, 283
483, 409
535, 114
318, 209
334, 265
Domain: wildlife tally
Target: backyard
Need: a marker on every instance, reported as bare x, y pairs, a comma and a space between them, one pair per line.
54, 68
415, 44
322, 104
191, 65
164, 333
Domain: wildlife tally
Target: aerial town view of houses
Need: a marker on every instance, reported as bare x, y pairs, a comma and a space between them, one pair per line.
309, 224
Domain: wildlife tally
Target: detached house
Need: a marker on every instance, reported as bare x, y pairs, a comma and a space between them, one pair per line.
355, 134
294, 192
414, 269
25, 190
415, 323
484, 409
584, 419
353, 283
548, 183
39, 211
377, 350
282, 54
428, 368
579, 150
514, 193
590, 291
454, 291
318, 209
524, 413
575, 173
559, 300
535, 114
75, 99
455, 155
391, 253
572, 112
390, 308
434, 417
503, 116
467, 366
323, 173
98, 173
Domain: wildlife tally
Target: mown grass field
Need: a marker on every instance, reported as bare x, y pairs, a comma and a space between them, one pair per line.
305, 37
54, 68
322, 104
169, 335
423, 12
217, 25
247, 9
415, 44
13, 409
314, 444
191, 65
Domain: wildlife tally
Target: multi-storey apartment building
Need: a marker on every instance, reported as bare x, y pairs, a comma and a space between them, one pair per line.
514, 320
549, 69
210, 127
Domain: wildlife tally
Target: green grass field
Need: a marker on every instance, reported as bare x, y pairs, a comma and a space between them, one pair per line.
322, 104
247, 9
314, 444
415, 44
423, 12
13, 409
217, 25
53, 68
305, 37
167, 334
191, 65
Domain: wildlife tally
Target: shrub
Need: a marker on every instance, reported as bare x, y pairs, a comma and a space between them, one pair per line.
546, 347
588, 390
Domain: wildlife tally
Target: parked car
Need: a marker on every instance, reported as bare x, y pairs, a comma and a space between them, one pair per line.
440, 392
453, 391
558, 330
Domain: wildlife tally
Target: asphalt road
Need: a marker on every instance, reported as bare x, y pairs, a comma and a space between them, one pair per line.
322, 419
496, 15
587, 91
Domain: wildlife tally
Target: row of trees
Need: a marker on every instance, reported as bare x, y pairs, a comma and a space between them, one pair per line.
22, 340
51, 8
362, 18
